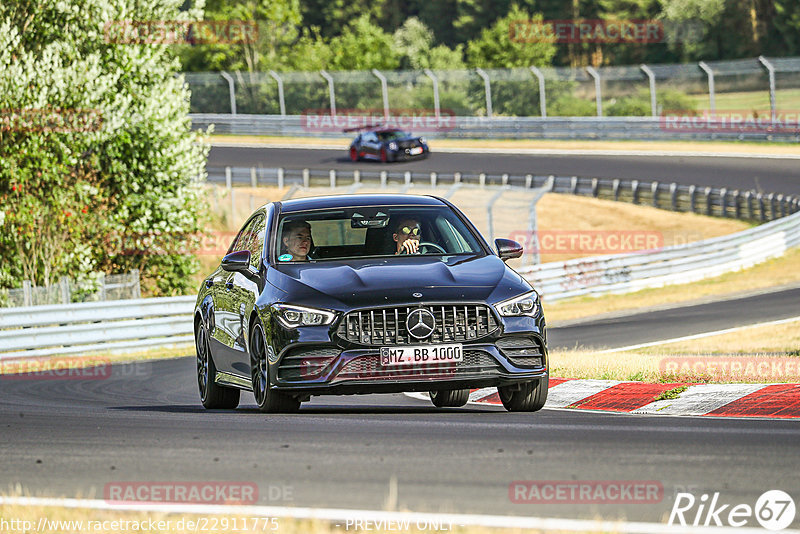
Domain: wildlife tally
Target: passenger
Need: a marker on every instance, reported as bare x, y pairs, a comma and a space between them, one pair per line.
296, 241
407, 235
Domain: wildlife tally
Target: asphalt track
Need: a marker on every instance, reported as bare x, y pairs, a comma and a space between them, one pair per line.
145, 423
768, 175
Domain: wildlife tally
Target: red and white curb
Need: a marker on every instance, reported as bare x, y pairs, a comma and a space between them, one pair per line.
720, 400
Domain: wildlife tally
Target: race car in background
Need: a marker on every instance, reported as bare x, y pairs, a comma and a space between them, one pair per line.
387, 144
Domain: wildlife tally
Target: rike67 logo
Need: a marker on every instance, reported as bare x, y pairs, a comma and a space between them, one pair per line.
774, 510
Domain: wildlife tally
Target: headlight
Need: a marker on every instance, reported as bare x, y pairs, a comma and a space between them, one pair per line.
392, 146
527, 304
294, 316
422, 140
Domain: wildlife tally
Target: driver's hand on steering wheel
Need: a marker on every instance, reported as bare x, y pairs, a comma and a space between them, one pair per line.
409, 246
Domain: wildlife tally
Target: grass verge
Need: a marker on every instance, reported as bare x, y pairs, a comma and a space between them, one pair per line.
759, 354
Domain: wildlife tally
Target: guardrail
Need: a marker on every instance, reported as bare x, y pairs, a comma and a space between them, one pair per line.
650, 128
679, 264
95, 326
732, 203
145, 323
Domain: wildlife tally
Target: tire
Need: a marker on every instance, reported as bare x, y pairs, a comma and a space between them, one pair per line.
529, 397
268, 401
212, 395
452, 398
354, 154
384, 155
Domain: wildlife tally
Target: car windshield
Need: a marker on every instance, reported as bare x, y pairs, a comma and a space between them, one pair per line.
393, 135
348, 233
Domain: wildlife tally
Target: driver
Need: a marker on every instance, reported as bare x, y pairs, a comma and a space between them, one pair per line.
297, 240
407, 235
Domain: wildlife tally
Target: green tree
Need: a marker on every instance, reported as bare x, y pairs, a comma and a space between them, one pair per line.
494, 48
363, 46
113, 166
413, 42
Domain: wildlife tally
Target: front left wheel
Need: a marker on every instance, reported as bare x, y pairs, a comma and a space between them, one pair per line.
212, 395
527, 397
268, 401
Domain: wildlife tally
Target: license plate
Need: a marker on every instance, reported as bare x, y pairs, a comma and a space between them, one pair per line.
421, 355
416, 150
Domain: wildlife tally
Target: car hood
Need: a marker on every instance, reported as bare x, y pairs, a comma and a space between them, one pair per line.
389, 281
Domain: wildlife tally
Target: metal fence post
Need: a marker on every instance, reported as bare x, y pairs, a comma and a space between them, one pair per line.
384, 92
136, 289
673, 195
654, 193
635, 191
761, 210
281, 100
228, 178
457, 177
595, 186
231, 90
711, 91
528, 181
771, 71
356, 176
66, 298
542, 95
482, 179
434, 176
429, 73
332, 176
748, 200
306, 178
737, 211
253, 177
598, 96
331, 91
384, 179
27, 297
489, 205
533, 223
651, 76
487, 85
709, 207
723, 197
407, 178
280, 177
692, 191
615, 188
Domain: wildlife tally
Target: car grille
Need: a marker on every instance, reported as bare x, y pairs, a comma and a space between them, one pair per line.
305, 363
408, 144
454, 323
476, 362
522, 351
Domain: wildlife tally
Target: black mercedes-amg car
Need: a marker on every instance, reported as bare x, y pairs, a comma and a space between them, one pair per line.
366, 294
387, 144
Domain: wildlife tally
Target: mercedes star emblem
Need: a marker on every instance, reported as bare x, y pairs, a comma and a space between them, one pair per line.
420, 323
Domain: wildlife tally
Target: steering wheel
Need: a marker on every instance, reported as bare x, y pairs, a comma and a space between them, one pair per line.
432, 245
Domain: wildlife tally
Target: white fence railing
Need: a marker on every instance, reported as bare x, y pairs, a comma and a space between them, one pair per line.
145, 323
678, 264
95, 326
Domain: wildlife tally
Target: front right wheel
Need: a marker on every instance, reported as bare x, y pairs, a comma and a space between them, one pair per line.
268, 401
526, 397
452, 398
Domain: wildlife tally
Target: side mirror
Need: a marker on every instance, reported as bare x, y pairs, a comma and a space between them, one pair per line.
237, 262
508, 249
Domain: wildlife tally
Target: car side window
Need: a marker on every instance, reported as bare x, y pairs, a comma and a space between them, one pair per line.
370, 138
257, 243
245, 238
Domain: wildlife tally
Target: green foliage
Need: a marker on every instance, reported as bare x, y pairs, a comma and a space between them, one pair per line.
363, 46
69, 191
495, 49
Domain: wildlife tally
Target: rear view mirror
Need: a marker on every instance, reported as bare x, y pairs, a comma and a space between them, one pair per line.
237, 262
508, 249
